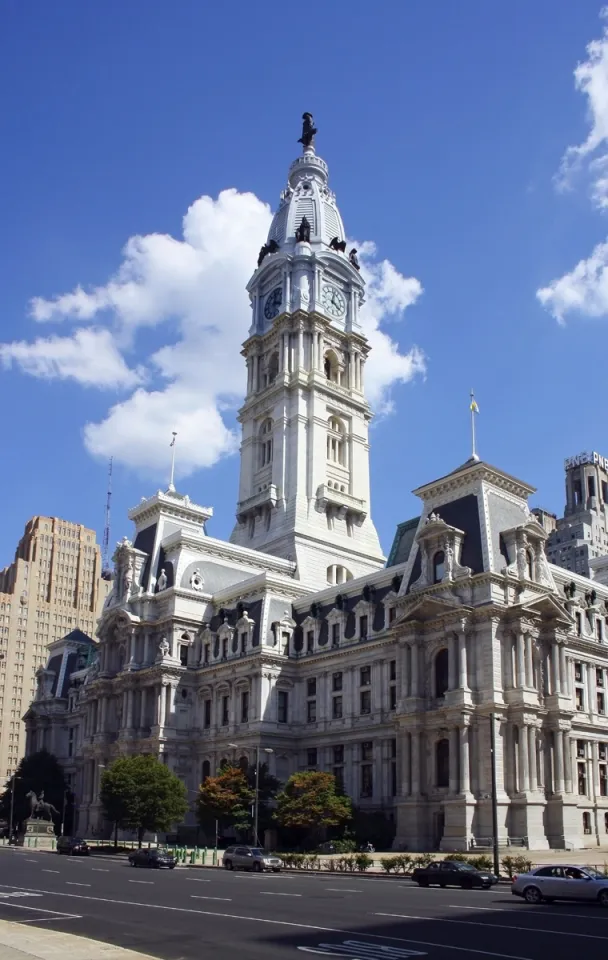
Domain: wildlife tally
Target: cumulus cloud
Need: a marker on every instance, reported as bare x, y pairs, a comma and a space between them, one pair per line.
591, 79
194, 289
584, 289
89, 356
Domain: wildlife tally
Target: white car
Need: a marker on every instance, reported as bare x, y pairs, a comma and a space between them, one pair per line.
559, 882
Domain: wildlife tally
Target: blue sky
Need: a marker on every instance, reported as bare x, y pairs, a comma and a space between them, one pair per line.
446, 127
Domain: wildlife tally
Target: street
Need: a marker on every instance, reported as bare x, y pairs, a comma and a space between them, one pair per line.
180, 913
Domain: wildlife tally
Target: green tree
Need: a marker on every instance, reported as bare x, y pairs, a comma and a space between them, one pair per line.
227, 798
38, 772
310, 801
140, 793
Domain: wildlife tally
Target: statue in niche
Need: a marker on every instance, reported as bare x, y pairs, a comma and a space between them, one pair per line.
354, 259
162, 581
303, 232
338, 245
163, 648
308, 130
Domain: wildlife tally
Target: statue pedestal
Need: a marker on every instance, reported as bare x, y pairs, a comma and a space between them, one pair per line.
40, 834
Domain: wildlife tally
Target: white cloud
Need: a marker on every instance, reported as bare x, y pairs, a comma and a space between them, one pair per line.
591, 79
195, 287
584, 290
89, 356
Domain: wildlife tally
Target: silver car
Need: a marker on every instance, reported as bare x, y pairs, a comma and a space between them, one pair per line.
250, 858
559, 882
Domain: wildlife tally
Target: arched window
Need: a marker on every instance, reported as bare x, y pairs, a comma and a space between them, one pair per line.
338, 574
442, 755
441, 673
530, 565
273, 367
265, 435
206, 771
243, 764
332, 367
336, 441
438, 566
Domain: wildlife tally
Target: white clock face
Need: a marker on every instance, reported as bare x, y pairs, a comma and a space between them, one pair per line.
332, 300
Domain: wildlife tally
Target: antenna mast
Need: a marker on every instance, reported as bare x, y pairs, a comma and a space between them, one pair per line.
105, 550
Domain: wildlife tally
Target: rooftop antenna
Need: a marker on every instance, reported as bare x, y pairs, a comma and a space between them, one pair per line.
105, 549
171, 487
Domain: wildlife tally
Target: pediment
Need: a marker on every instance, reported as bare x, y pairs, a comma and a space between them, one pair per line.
430, 608
547, 607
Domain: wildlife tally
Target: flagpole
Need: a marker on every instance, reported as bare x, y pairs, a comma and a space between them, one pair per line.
474, 454
172, 445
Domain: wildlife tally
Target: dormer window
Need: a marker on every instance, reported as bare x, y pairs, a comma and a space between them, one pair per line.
438, 566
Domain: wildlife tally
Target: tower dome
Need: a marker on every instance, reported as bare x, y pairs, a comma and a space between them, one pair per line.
307, 195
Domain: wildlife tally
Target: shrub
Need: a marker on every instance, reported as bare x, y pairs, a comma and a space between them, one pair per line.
457, 856
362, 861
507, 863
389, 863
521, 864
312, 862
482, 862
329, 864
345, 846
422, 860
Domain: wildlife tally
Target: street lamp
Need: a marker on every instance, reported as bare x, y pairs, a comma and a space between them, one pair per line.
10, 822
256, 802
494, 794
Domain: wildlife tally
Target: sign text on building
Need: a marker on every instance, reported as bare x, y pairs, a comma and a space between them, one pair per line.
586, 458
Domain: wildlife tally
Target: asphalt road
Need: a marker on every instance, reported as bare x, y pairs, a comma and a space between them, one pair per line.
180, 914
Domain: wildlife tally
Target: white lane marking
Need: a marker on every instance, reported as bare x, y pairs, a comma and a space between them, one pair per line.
526, 910
198, 879
62, 916
72, 883
362, 951
151, 882
50, 871
193, 896
277, 923
493, 926
272, 893
30, 860
22, 906
342, 890
99, 870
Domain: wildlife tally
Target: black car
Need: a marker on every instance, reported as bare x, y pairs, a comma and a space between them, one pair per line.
74, 846
159, 859
453, 873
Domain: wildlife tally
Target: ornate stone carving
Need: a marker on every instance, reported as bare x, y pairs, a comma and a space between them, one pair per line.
162, 581
197, 581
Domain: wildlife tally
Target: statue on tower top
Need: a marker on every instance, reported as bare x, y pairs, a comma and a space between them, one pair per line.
308, 130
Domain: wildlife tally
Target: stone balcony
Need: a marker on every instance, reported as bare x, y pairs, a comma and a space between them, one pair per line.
252, 505
343, 502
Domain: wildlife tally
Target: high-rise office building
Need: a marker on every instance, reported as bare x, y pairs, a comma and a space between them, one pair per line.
53, 586
581, 535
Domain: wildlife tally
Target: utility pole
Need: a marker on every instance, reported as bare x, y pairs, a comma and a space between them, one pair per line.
10, 822
257, 793
494, 795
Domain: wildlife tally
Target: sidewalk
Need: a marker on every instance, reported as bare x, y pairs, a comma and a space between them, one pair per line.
18, 942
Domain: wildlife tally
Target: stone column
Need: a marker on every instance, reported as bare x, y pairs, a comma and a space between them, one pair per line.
555, 669
454, 750
532, 757
142, 707
570, 768
147, 647
558, 757
521, 667
452, 666
130, 694
462, 662
406, 784
162, 705
529, 662
415, 761
103, 718
564, 673
300, 361
172, 691
524, 766
414, 671
465, 774
378, 685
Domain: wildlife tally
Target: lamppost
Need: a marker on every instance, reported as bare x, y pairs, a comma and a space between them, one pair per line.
256, 802
10, 822
494, 794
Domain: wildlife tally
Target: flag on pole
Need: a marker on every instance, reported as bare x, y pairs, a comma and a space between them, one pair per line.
474, 407
172, 444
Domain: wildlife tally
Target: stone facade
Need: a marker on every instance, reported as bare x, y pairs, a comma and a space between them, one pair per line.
294, 638
580, 537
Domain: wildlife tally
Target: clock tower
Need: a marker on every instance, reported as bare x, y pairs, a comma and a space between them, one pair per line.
304, 482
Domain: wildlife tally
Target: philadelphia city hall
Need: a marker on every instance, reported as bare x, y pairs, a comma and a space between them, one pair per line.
296, 636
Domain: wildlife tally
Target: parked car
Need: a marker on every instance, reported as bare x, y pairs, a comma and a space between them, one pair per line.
157, 858
250, 858
560, 882
453, 873
74, 846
